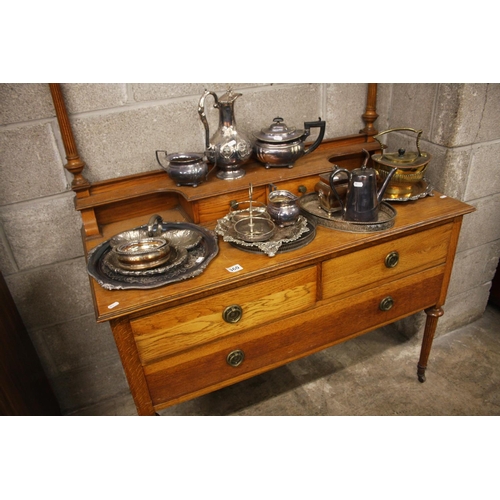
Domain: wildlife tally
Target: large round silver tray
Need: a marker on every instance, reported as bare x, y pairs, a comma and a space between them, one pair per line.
198, 258
309, 203
225, 228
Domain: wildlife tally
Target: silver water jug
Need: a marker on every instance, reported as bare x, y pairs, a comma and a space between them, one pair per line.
228, 149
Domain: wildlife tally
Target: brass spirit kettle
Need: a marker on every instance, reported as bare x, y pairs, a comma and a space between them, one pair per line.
228, 148
362, 199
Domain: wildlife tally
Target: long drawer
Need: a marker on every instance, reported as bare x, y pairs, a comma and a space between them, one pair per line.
387, 261
180, 328
242, 355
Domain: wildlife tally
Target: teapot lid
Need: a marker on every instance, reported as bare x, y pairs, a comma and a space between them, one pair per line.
401, 158
278, 131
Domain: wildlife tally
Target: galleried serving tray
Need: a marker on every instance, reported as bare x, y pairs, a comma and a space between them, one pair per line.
309, 203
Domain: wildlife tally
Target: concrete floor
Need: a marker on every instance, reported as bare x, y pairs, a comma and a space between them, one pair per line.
372, 375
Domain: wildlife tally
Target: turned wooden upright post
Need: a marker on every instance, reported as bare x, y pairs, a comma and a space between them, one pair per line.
370, 114
75, 165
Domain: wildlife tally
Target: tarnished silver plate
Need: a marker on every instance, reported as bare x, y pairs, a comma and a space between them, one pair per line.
198, 258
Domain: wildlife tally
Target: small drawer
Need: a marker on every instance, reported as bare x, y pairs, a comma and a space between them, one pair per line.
180, 328
356, 271
301, 186
210, 209
243, 355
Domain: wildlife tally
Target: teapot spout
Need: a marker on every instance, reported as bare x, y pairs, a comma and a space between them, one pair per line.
382, 189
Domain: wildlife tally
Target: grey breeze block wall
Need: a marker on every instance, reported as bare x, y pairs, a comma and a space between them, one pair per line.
117, 129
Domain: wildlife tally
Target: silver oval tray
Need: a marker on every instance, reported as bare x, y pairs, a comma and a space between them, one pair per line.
309, 203
198, 258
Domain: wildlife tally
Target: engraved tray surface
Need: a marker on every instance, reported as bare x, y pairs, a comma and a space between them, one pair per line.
287, 234
309, 203
186, 262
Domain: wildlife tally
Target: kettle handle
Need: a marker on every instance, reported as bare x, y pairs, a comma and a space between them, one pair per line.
321, 124
338, 170
203, 116
384, 146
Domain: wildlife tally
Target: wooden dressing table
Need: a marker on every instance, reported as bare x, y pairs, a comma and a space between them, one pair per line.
179, 341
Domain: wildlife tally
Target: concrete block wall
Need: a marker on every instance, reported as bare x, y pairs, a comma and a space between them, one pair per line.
117, 129
461, 130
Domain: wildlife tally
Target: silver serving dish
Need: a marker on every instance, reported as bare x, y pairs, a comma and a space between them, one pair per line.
142, 253
254, 229
225, 228
187, 238
100, 265
176, 257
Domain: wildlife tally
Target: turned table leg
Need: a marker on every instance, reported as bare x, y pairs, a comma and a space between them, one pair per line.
433, 314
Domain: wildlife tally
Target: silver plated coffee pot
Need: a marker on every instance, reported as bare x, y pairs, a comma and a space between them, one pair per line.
228, 148
362, 200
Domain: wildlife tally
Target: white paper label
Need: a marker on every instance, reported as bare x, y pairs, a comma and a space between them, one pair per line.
358, 184
234, 269
114, 304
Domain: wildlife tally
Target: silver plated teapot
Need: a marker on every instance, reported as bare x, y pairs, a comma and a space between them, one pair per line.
228, 148
281, 146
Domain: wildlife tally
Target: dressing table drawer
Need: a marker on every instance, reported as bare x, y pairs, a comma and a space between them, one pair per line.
371, 266
236, 357
179, 328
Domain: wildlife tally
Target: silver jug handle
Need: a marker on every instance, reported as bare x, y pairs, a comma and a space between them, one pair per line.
158, 158
203, 116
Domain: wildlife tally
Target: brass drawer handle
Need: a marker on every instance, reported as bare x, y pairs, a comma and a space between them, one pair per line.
392, 259
232, 314
235, 358
386, 303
